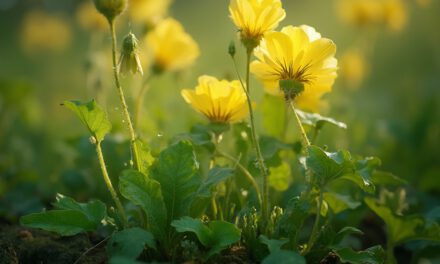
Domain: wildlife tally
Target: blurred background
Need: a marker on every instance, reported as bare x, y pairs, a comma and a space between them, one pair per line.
51, 51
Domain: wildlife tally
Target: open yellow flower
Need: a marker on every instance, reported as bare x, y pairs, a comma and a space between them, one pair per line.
299, 54
220, 101
172, 48
254, 18
148, 11
353, 67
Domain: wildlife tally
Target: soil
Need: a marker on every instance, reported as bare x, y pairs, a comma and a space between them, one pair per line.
25, 245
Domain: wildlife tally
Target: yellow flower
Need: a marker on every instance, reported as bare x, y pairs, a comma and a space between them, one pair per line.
254, 18
172, 48
89, 18
423, 3
391, 13
220, 101
394, 14
148, 11
353, 67
41, 31
299, 54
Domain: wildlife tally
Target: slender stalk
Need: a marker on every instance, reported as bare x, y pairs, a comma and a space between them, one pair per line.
390, 252
110, 185
265, 203
315, 228
298, 121
140, 100
245, 172
134, 151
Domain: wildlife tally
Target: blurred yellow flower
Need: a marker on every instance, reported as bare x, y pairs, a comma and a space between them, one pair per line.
148, 11
353, 67
220, 101
254, 18
299, 54
423, 3
391, 13
41, 31
89, 18
171, 47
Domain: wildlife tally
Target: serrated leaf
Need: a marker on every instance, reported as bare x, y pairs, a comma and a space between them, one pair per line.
339, 202
94, 210
279, 177
92, 116
216, 235
284, 257
273, 244
215, 176
373, 255
328, 166
145, 159
63, 222
400, 229
317, 120
129, 243
145, 192
176, 171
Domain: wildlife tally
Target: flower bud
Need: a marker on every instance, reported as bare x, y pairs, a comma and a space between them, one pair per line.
110, 8
129, 60
231, 49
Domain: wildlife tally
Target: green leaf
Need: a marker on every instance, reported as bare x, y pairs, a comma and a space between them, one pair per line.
328, 166
144, 155
63, 222
273, 112
188, 224
145, 192
386, 179
348, 230
216, 236
279, 177
124, 260
291, 222
270, 146
284, 257
317, 120
373, 255
93, 117
273, 244
94, 210
176, 170
130, 243
400, 229
339, 202
215, 176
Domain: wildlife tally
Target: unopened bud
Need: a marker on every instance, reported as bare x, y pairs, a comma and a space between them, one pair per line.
92, 140
129, 60
231, 49
110, 8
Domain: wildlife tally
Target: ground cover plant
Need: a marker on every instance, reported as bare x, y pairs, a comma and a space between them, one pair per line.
252, 181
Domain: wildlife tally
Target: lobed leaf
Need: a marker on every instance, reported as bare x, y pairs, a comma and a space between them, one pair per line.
318, 121
372, 255
95, 210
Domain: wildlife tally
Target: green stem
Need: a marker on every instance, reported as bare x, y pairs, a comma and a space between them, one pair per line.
140, 100
110, 185
245, 172
298, 121
134, 150
265, 203
390, 252
315, 228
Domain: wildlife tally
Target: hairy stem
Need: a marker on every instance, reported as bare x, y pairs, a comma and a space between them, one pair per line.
110, 185
127, 118
315, 229
298, 121
245, 172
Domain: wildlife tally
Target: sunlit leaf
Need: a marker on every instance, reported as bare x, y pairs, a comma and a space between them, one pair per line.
94, 210
129, 243
144, 155
373, 255
145, 192
317, 120
63, 222
176, 171
93, 117
279, 177
339, 202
